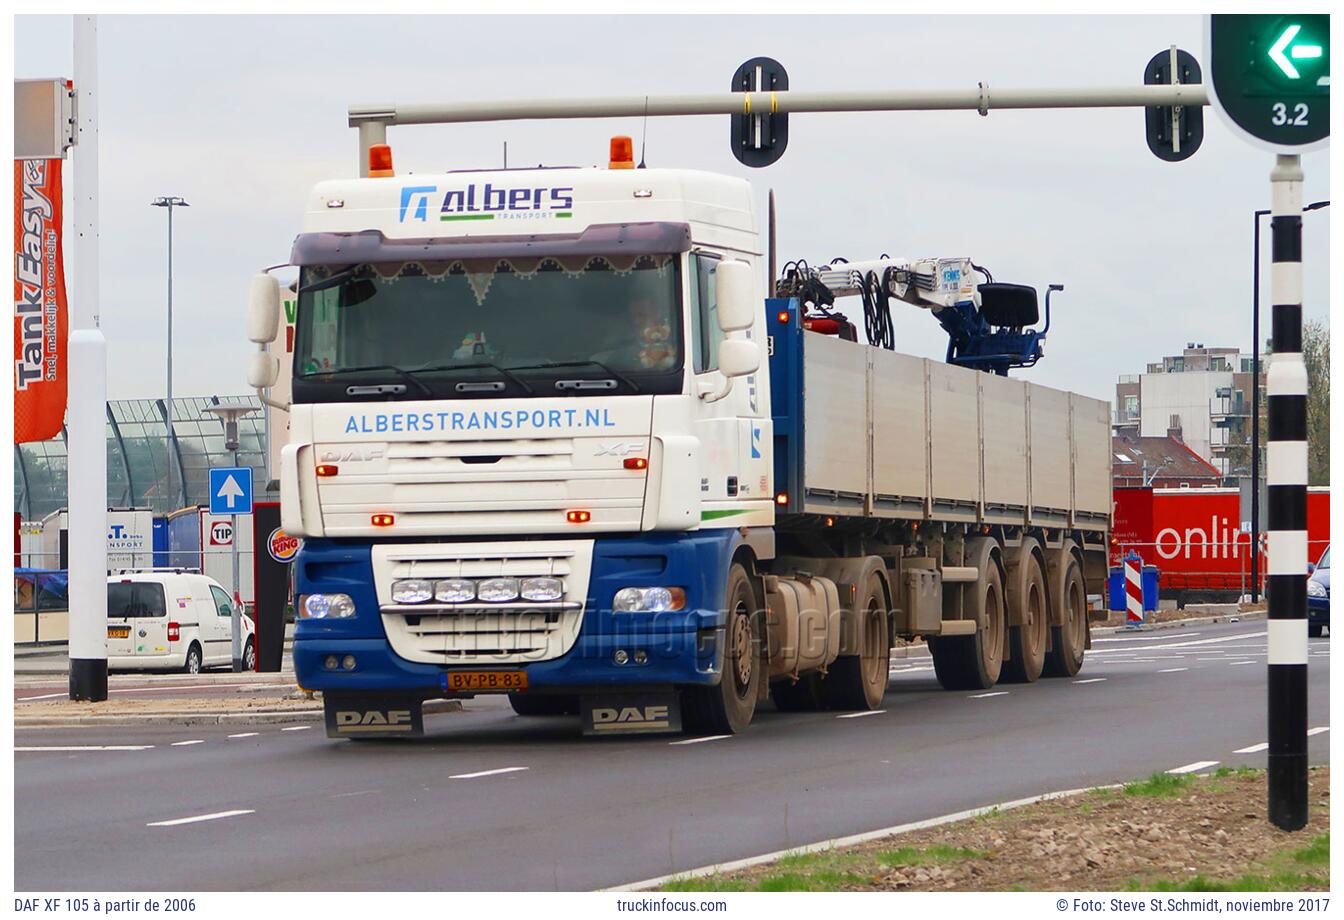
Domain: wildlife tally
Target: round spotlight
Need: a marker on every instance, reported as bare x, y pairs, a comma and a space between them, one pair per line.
348, 662
330, 663
621, 656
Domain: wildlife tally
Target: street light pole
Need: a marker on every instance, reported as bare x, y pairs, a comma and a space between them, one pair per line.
1255, 401
170, 202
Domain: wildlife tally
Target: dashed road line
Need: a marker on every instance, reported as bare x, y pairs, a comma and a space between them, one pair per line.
186, 743
1318, 730
698, 740
981, 696
1171, 670
860, 715
296, 728
1194, 767
487, 773
197, 818
1253, 749
1090, 680
1235, 663
1145, 638
245, 735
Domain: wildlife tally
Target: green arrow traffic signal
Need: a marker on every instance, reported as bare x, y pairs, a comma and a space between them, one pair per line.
1294, 52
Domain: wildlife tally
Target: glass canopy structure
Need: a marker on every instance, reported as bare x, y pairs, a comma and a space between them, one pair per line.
139, 455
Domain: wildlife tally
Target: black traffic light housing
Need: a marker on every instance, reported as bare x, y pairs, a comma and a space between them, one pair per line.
1184, 140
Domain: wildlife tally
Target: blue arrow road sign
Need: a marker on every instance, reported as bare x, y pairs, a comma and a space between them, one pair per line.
231, 490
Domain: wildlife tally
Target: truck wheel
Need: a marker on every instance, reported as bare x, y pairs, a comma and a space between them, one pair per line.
530, 704
805, 695
1027, 641
727, 707
974, 662
1069, 641
193, 662
860, 681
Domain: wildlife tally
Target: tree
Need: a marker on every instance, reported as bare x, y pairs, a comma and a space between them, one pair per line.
1316, 355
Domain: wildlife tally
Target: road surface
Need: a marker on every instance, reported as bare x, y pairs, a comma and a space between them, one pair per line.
489, 800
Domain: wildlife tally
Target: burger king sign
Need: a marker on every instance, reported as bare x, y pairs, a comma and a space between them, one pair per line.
282, 547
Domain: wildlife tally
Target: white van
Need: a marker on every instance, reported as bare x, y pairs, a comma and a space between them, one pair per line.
172, 620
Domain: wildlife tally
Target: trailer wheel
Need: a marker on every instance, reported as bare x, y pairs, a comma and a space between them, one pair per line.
974, 662
1068, 642
860, 681
530, 704
1027, 641
727, 707
803, 695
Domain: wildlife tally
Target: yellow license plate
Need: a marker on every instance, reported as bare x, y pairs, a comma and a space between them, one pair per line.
118, 632
487, 680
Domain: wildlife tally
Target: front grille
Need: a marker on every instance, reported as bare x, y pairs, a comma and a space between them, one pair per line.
480, 632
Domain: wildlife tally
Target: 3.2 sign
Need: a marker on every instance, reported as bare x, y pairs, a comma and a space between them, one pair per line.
1269, 77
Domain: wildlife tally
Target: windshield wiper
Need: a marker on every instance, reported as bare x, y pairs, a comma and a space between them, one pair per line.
503, 372
330, 281
617, 375
400, 372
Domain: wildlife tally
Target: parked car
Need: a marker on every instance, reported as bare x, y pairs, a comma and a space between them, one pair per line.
1318, 596
173, 621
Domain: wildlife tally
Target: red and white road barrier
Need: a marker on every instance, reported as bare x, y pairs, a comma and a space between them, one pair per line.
1134, 590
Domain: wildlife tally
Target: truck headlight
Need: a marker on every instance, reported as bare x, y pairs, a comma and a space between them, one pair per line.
542, 589
656, 600
498, 590
412, 590
455, 590
326, 606
1316, 589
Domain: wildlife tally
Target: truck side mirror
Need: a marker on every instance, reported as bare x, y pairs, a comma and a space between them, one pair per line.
732, 295
263, 309
738, 357
263, 369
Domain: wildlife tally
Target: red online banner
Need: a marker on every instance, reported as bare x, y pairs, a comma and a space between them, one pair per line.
40, 323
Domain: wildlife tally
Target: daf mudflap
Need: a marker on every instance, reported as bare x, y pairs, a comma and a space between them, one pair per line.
380, 716
631, 713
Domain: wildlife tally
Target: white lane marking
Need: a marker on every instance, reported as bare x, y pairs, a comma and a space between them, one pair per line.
487, 773
45, 696
1253, 749
1170, 670
981, 696
196, 818
1318, 730
1172, 645
1090, 680
346, 795
860, 715
52, 696
698, 740
296, 728
1147, 638
1235, 663
185, 743
1193, 767
245, 735
74, 748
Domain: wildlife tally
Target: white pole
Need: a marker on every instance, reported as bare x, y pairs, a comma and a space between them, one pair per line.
86, 413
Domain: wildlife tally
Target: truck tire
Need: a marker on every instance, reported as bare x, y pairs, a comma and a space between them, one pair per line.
1068, 642
531, 704
1029, 604
726, 708
803, 695
860, 681
974, 662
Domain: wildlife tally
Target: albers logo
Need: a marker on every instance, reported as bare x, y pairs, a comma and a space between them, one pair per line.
487, 202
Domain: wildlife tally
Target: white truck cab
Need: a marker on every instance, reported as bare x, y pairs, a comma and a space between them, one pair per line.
177, 621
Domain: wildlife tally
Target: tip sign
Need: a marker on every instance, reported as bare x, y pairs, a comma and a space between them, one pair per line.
231, 490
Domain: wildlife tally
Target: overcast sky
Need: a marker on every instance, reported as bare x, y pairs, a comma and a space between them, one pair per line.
241, 115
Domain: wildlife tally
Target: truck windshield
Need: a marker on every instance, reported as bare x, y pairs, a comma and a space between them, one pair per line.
584, 325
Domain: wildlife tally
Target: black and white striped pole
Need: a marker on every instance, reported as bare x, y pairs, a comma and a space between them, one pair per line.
1286, 478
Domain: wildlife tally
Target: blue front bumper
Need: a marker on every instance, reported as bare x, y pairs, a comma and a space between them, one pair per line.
679, 648
1318, 610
